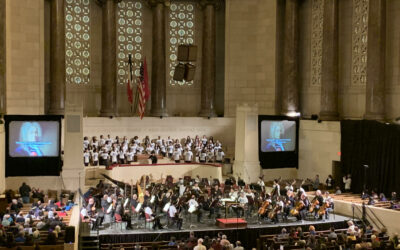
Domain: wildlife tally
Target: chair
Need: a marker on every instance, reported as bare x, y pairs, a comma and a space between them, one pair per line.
119, 221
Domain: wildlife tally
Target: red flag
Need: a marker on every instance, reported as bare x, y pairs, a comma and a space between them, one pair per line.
129, 91
143, 88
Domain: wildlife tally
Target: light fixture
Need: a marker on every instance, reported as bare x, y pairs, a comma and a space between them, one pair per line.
293, 114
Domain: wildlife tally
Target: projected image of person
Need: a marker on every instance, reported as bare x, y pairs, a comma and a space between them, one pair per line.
274, 143
30, 133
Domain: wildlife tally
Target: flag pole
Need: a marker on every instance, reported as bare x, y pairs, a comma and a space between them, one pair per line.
130, 73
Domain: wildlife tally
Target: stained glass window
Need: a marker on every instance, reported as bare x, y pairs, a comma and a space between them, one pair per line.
181, 31
77, 41
129, 37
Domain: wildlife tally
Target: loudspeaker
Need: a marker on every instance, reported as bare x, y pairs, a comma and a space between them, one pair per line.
179, 73
69, 235
187, 53
190, 69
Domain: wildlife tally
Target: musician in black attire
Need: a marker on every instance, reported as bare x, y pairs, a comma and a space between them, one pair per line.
320, 198
303, 211
153, 157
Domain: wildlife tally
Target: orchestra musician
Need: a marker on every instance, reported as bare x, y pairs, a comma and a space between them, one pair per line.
243, 201
151, 217
194, 207
179, 198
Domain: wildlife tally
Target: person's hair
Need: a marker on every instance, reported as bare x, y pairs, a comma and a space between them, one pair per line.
332, 229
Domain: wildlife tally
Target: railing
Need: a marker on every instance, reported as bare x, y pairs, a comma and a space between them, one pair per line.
367, 216
375, 218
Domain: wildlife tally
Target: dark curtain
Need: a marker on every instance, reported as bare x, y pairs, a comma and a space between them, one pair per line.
376, 145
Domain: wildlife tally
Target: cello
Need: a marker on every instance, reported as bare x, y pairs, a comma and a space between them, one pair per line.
263, 209
314, 203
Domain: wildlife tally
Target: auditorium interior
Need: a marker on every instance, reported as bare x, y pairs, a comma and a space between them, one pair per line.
199, 124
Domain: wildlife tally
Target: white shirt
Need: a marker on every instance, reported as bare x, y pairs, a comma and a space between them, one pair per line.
104, 155
176, 155
148, 211
172, 211
220, 156
261, 183
182, 189
347, 183
121, 154
95, 156
243, 200
86, 156
114, 155
193, 202
129, 156
188, 156
203, 156
85, 144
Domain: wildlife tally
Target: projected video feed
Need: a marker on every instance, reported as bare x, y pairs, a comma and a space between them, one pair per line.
278, 136
33, 138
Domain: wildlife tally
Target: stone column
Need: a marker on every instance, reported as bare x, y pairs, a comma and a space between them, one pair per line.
330, 73
375, 89
290, 90
109, 61
158, 77
57, 58
2, 57
247, 164
208, 61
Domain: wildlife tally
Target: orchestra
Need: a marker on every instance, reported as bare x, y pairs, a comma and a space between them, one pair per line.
180, 201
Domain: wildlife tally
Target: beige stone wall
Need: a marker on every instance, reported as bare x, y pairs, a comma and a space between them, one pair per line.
393, 59
319, 145
250, 30
25, 56
310, 94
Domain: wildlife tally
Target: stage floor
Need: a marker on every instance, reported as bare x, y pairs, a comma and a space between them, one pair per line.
209, 224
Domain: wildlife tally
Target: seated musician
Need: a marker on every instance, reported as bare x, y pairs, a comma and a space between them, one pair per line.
194, 205
261, 183
329, 205
320, 199
243, 201
174, 216
214, 206
196, 189
250, 197
150, 217
134, 203
216, 191
304, 208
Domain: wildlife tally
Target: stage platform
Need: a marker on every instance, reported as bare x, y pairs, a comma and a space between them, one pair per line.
248, 235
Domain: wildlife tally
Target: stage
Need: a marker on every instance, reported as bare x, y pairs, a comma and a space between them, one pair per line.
248, 235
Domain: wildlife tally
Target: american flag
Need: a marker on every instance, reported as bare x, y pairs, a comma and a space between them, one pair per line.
143, 88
